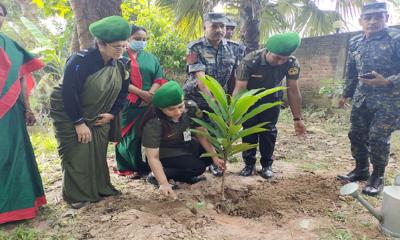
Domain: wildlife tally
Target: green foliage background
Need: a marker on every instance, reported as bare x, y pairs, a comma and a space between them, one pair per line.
166, 42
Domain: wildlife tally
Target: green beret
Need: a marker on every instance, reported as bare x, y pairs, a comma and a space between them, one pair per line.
169, 94
111, 29
283, 44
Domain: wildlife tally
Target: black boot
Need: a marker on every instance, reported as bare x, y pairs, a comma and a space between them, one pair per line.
214, 169
360, 173
266, 172
247, 171
376, 182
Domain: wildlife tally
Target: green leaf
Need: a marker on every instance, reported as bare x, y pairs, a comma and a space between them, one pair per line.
270, 91
248, 131
214, 141
242, 147
218, 92
211, 103
36, 33
243, 104
261, 108
219, 121
211, 155
207, 126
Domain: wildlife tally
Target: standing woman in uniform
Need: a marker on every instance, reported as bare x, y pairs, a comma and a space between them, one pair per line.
146, 77
92, 93
171, 150
21, 189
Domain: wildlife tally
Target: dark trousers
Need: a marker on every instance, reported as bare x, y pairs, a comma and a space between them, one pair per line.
265, 139
370, 132
183, 168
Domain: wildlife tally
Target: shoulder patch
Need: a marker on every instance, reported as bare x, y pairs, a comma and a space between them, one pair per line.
394, 33
191, 44
82, 53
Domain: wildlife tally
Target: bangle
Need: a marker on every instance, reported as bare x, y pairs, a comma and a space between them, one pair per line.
297, 119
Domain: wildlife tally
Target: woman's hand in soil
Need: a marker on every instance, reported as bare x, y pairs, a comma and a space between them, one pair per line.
83, 132
219, 163
103, 119
166, 189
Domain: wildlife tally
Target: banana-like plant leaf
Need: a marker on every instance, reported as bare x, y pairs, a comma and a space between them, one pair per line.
242, 147
218, 92
211, 103
208, 126
259, 109
219, 122
36, 33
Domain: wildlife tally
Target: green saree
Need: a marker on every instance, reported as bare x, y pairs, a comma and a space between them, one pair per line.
21, 189
144, 73
85, 171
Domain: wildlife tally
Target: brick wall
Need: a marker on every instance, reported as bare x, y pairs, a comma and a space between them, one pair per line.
322, 58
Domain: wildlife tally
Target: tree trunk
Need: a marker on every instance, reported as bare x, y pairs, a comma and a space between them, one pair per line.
88, 11
250, 24
74, 40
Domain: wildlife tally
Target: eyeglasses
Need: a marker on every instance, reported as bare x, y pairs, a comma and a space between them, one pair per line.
118, 47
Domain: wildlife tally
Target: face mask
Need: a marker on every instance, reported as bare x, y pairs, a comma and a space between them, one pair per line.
138, 45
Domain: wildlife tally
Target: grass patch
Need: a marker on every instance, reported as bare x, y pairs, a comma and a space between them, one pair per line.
21, 232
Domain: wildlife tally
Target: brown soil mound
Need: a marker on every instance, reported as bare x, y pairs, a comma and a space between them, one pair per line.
305, 194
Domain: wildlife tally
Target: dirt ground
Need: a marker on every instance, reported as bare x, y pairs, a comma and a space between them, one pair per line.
301, 202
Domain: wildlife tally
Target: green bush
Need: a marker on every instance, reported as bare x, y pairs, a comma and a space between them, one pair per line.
165, 40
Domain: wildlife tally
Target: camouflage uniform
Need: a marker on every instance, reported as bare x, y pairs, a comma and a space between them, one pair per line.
376, 109
219, 63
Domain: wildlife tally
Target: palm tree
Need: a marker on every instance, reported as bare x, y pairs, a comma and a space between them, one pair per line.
261, 18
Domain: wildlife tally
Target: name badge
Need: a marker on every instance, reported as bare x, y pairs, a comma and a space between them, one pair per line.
256, 76
187, 135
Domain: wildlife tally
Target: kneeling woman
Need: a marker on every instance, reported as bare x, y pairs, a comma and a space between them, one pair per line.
171, 150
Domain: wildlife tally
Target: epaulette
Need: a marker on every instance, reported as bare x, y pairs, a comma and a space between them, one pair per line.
356, 38
233, 42
191, 44
394, 33
252, 57
82, 53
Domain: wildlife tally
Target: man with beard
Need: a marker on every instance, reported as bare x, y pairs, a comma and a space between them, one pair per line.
373, 82
212, 55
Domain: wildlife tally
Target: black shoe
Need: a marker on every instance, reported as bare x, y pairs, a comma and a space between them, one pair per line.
247, 171
153, 180
266, 172
359, 173
215, 170
376, 182
196, 179
355, 175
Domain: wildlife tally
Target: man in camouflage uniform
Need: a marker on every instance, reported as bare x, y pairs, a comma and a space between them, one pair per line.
376, 98
230, 28
212, 55
266, 68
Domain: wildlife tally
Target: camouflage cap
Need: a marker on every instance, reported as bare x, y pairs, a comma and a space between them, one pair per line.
230, 22
214, 17
376, 7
